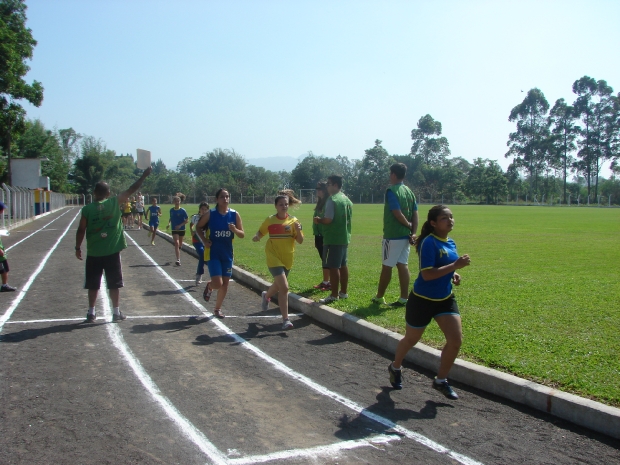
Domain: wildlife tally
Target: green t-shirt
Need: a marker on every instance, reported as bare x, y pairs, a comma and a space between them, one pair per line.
317, 229
3, 258
392, 229
104, 230
338, 232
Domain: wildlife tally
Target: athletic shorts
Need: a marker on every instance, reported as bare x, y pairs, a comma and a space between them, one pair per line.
220, 268
4, 266
95, 266
154, 222
278, 270
395, 251
140, 213
179, 233
421, 311
334, 256
126, 215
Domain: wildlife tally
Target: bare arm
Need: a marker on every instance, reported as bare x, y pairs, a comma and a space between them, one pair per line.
79, 237
200, 226
237, 228
300, 235
124, 196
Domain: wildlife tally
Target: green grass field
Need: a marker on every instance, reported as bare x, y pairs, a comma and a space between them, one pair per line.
540, 300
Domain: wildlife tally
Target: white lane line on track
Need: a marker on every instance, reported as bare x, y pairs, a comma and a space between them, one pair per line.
146, 317
21, 293
38, 231
310, 383
187, 428
314, 452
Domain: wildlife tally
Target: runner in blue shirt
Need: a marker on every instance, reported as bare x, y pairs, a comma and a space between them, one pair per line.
224, 224
178, 220
432, 298
152, 214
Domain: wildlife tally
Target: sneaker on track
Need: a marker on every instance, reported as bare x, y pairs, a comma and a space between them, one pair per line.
178, 263
198, 279
264, 302
91, 317
396, 377
7, 288
445, 389
286, 324
328, 300
206, 294
119, 317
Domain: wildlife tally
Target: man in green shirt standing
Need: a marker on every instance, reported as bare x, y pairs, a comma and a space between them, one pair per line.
336, 237
101, 225
400, 225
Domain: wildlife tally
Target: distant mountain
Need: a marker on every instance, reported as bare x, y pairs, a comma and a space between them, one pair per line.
275, 164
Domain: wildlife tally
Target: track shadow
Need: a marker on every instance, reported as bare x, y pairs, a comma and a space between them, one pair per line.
149, 266
169, 326
33, 333
254, 331
168, 292
371, 309
360, 426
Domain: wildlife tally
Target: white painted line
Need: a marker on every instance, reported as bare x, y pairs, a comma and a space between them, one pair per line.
186, 427
310, 383
146, 317
21, 293
316, 452
38, 231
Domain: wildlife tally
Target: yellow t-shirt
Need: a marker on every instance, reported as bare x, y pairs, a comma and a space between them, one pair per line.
280, 247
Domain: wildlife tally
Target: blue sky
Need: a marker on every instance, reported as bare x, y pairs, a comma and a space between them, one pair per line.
274, 78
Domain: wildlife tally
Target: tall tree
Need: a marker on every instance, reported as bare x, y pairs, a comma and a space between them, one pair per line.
374, 177
433, 150
564, 132
585, 88
529, 143
16, 46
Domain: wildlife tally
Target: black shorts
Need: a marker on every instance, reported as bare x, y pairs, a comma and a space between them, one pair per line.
126, 215
179, 233
4, 266
95, 266
421, 311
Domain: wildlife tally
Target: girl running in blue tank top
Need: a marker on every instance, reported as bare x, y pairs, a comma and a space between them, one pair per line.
224, 224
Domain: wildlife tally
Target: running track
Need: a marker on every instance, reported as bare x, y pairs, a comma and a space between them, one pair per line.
172, 385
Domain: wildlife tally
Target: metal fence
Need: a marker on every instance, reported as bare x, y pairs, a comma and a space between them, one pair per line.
23, 204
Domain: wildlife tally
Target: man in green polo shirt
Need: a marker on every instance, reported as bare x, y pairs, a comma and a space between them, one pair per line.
400, 225
102, 226
336, 237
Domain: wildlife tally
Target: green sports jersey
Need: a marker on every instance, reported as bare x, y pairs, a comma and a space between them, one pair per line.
392, 229
104, 230
3, 258
338, 232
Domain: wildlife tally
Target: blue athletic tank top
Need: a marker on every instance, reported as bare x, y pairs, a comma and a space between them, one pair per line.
220, 234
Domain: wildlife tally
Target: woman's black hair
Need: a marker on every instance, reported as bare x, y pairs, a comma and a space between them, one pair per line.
219, 191
320, 201
203, 204
427, 229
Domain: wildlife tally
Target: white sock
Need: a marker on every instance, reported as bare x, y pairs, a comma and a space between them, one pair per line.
325, 282
394, 368
116, 311
91, 310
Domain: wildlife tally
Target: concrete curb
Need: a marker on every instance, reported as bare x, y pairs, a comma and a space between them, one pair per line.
583, 412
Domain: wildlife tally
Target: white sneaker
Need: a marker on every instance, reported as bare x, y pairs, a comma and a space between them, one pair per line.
342, 295
287, 324
198, 279
178, 263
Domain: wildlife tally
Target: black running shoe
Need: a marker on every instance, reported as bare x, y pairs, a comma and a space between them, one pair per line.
396, 377
91, 317
446, 390
119, 317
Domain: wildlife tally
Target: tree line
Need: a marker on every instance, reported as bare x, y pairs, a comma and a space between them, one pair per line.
547, 147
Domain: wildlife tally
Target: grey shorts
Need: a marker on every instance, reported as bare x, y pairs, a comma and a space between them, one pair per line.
334, 256
278, 270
